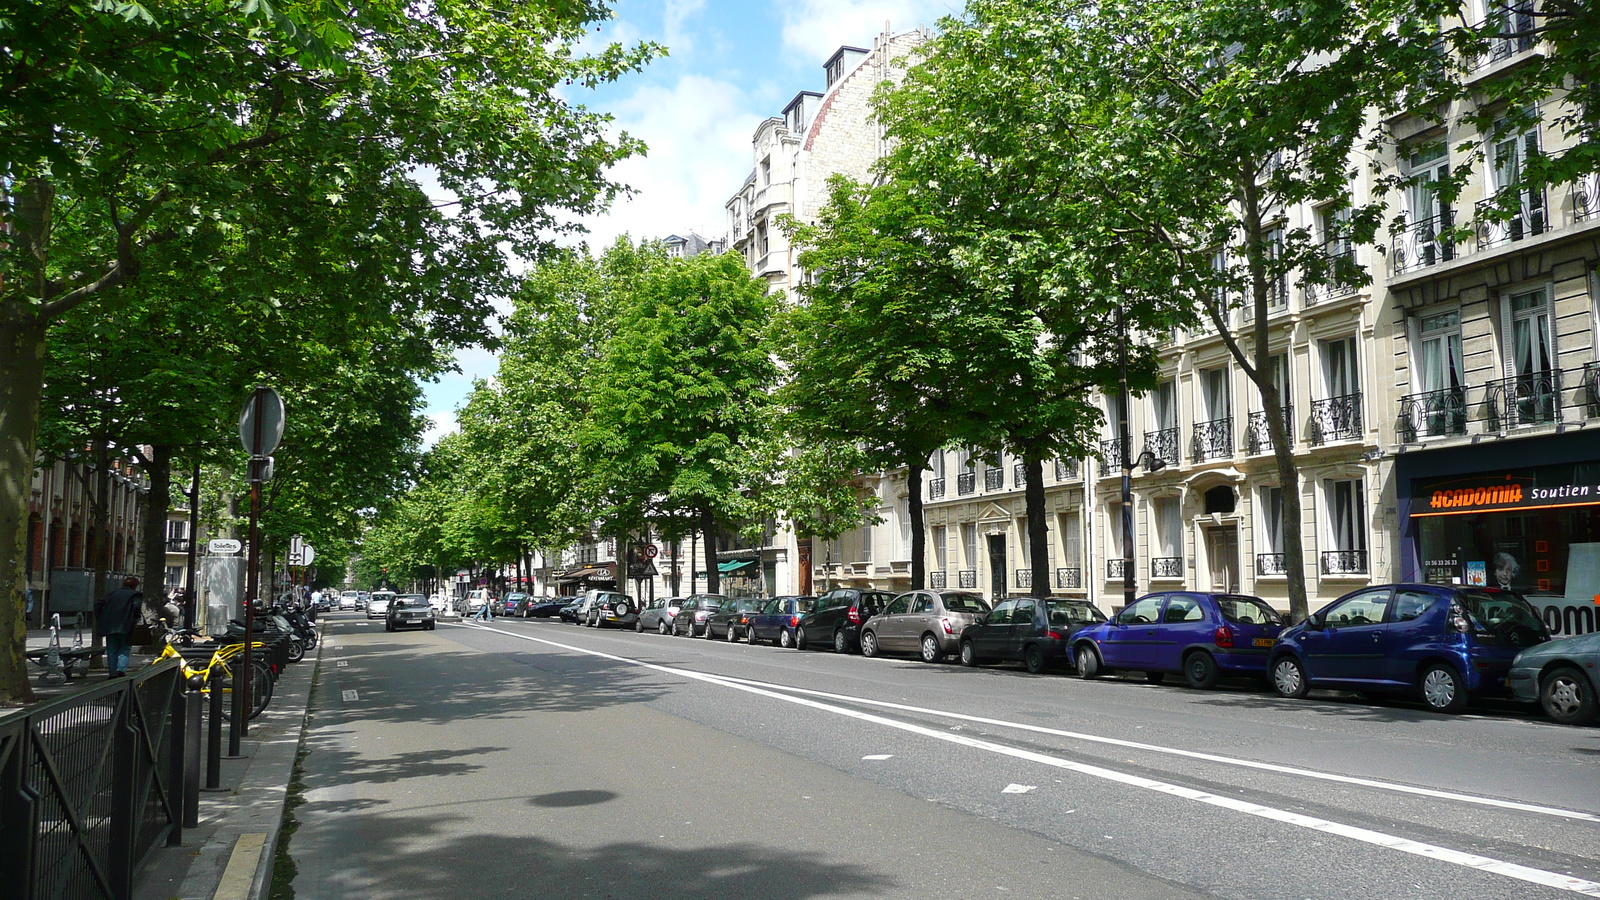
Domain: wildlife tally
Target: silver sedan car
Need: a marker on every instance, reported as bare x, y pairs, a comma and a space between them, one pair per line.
658, 614
928, 623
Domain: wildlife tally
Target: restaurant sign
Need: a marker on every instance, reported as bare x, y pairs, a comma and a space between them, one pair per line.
1497, 493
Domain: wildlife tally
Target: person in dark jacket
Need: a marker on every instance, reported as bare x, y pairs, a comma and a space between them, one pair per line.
115, 614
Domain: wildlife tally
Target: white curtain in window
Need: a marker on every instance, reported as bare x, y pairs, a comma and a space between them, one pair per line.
1349, 519
1272, 518
1169, 528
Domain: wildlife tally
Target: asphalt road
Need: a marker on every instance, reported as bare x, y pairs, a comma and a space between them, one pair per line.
537, 759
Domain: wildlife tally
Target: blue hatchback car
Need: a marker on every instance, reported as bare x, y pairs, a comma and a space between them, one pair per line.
1202, 636
1438, 642
776, 620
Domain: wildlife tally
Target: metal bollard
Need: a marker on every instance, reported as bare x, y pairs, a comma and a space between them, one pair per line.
236, 727
214, 743
191, 759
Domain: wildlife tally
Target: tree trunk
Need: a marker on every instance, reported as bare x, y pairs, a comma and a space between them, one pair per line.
100, 513
708, 528
154, 527
1038, 533
622, 562
22, 345
919, 540
677, 575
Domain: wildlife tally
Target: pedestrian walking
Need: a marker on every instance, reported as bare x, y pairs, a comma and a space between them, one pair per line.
115, 614
486, 611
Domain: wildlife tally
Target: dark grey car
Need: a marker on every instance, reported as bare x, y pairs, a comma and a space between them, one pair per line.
692, 615
928, 623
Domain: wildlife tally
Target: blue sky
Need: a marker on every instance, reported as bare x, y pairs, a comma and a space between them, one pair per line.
731, 63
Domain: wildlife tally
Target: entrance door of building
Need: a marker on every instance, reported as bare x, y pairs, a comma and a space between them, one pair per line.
997, 566
1222, 556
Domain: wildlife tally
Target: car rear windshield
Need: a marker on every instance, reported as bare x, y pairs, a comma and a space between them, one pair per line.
1248, 611
971, 603
1505, 613
1074, 613
805, 604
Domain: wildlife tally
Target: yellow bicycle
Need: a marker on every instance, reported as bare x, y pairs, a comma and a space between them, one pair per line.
221, 665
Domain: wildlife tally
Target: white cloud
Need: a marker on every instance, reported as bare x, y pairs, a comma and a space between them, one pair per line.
443, 424
678, 40
813, 29
698, 132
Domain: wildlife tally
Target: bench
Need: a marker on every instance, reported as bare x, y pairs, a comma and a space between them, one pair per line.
75, 661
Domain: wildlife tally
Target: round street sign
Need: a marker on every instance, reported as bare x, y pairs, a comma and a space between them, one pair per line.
650, 551
261, 422
224, 546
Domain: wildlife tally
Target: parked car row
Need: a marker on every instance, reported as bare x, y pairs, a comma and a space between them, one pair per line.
1440, 644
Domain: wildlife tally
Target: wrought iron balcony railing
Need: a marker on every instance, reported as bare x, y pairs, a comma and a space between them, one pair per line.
1114, 569
1336, 419
1585, 193
1271, 564
1522, 400
1024, 578
1166, 567
1212, 440
966, 483
935, 488
1019, 476
937, 581
1494, 229
1344, 562
1591, 390
1433, 414
1422, 244
1069, 579
1163, 445
1258, 436
1339, 275
967, 580
1066, 470
1518, 31
994, 479
1110, 457
177, 545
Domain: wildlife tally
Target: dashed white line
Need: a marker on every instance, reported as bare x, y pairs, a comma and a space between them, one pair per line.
348, 695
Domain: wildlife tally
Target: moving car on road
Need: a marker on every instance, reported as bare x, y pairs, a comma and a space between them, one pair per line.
379, 604
1202, 636
1562, 676
1439, 643
837, 619
924, 622
349, 600
1039, 632
777, 620
408, 611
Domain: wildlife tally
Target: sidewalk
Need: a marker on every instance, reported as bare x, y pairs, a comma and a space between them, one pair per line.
230, 855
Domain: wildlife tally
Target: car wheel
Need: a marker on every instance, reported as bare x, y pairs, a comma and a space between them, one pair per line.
1289, 678
969, 656
638, 627
932, 652
840, 645
869, 644
1154, 677
1200, 670
1033, 658
1568, 697
786, 639
663, 628
1088, 662
387, 627
733, 634
800, 642
750, 635
431, 626
709, 635
1442, 689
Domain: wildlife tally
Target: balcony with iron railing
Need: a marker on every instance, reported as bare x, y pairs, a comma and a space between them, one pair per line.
935, 488
994, 479
1110, 457
1163, 445
1212, 440
1533, 398
1344, 562
1432, 414
1069, 579
1066, 470
1114, 569
1258, 434
937, 580
1517, 32
1019, 476
1423, 243
1585, 196
1340, 276
1495, 228
1024, 578
177, 545
967, 580
1335, 419
1166, 567
966, 483
1271, 564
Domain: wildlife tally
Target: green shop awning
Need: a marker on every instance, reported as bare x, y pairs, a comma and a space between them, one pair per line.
734, 565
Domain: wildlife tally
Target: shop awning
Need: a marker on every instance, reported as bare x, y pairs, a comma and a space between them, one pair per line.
588, 573
734, 565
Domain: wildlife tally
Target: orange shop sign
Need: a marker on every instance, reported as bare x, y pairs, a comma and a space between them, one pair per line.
1505, 492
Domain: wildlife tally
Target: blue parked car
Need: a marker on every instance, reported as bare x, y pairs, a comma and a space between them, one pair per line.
1437, 642
1203, 636
776, 620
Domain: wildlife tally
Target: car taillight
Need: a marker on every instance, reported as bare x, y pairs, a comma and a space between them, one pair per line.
1223, 637
947, 628
794, 621
855, 616
744, 620
1055, 635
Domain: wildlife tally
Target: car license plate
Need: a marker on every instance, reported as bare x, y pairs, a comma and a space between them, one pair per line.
1265, 642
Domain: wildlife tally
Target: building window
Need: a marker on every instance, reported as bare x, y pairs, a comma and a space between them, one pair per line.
1269, 553
766, 170
904, 514
1440, 405
969, 544
940, 551
1166, 548
1213, 436
1530, 395
1347, 528
1338, 415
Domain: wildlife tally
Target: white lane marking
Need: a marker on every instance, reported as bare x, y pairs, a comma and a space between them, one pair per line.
342, 664
1512, 870
1190, 754
879, 756
348, 695
1018, 788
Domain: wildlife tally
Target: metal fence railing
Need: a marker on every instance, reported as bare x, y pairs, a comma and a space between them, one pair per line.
89, 784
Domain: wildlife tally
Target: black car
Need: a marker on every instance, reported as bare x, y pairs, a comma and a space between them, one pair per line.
732, 621
408, 612
1037, 631
569, 612
692, 615
544, 607
837, 619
